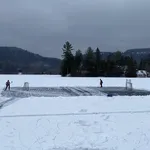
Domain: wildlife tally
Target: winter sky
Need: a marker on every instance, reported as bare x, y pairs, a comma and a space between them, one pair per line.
43, 26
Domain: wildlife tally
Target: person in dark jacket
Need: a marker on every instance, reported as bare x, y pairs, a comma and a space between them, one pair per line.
101, 83
7, 85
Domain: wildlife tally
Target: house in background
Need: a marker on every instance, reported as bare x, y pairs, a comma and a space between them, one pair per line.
142, 73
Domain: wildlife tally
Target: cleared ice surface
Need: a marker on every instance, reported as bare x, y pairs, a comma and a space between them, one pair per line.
57, 81
18, 92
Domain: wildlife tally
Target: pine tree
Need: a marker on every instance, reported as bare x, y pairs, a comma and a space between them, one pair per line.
117, 57
131, 68
78, 61
67, 66
98, 61
89, 61
142, 65
67, 50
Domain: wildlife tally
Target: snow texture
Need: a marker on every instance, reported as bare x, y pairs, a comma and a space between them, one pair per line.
72, 91
74, 123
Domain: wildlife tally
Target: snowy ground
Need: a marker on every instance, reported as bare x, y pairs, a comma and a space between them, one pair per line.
93, 122
57, 81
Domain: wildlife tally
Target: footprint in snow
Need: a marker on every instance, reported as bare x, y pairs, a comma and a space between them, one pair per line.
107, 117
83, 110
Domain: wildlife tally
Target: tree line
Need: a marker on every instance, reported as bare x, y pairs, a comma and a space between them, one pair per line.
91, 63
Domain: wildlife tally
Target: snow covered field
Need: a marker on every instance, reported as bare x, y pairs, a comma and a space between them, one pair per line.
56, 81
92, 122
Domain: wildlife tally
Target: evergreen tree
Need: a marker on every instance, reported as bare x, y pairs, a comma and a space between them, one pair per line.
64, 68
67, 50
89, 61
142, 65
67, 66
98, 61
118, 57
78, 61
110, 65
131, 68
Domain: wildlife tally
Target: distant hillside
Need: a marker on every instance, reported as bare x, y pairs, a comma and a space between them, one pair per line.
13, 59
138, 54
104, 55
138, 50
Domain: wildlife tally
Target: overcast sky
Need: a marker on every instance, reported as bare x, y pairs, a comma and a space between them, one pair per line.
43, 26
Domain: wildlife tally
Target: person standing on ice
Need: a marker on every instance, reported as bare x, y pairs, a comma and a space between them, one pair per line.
7, 85
101, 83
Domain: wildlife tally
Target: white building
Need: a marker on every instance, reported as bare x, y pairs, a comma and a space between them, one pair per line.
142, 73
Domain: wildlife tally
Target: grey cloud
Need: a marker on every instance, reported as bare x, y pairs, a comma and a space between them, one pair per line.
43, 26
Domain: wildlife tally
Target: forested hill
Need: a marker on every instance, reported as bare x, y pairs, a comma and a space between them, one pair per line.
138, 54
13, 59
